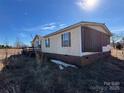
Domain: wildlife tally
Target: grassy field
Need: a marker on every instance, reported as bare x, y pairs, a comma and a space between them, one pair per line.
23, 74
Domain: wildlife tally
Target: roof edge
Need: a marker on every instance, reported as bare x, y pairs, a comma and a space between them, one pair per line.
78, 24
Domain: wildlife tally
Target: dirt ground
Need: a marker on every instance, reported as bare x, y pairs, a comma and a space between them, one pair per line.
9, 52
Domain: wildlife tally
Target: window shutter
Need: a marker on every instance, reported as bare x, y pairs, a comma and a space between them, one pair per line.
69, 39
48, 42
45, 43
62, 40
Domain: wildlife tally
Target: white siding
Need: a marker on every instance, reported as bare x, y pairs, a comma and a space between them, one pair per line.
37, 42
56, 46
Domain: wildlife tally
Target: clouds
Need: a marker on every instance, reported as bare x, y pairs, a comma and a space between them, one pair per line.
50, 26
45, 27
87, 5
118, 31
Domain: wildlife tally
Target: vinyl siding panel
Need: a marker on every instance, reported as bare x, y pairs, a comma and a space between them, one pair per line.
56, 43
93, 40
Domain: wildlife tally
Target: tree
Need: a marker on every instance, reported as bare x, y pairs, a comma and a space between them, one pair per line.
19, 44
123, 46
115, 38
123, 41
6, 49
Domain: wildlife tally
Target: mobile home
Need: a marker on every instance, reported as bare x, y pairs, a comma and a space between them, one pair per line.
76, 41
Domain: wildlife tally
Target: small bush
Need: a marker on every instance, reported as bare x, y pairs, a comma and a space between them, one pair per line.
119, 46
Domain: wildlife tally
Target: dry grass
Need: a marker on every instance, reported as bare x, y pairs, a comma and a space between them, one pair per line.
24, 75
118, 54
9, 52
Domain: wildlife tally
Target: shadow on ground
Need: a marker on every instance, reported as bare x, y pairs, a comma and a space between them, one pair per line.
22, 74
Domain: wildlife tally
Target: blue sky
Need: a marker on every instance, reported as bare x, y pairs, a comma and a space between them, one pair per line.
25, 18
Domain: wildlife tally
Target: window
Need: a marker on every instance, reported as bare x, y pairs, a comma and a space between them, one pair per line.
66, 39
47, 42
38, 44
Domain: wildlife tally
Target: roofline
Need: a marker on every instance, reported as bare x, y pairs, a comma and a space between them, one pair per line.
76, 25
108, 30
63, 29
35, 37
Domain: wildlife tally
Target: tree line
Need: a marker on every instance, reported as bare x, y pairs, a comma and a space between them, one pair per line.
5, 46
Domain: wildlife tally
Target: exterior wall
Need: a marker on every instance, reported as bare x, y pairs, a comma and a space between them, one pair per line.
89, 59
98, 28
100, 38
36, 42
79, 61
93, 39
56, 43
